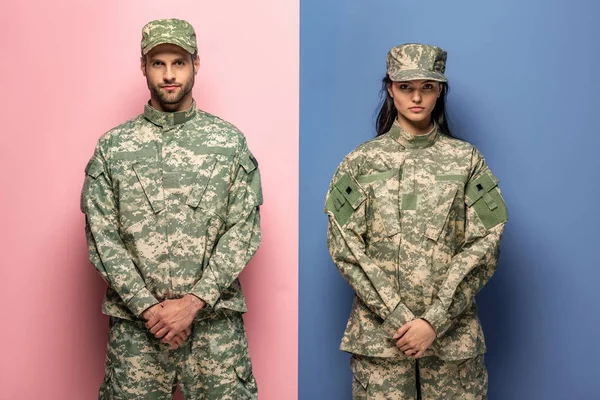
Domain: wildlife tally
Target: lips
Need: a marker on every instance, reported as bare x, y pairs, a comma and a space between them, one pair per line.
169, 87
416, 109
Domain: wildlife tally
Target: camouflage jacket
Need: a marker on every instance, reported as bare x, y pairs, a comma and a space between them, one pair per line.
172, 207
415, 224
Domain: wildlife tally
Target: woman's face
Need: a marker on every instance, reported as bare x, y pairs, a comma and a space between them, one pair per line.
415, 100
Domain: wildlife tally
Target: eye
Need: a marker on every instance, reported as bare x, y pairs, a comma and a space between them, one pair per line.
428, 86
404, 87
157, 64
179, 63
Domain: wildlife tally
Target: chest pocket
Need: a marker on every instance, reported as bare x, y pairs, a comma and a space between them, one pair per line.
149, 175
383, 211
139, 189
445, 192
209, 189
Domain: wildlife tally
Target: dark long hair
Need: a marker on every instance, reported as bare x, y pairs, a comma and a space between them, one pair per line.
388, 113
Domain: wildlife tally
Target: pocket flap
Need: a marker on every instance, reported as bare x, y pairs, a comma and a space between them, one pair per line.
150, 177
201, 182
351, 191
94, 168
477, 188
243, 368
360, 372
249, 163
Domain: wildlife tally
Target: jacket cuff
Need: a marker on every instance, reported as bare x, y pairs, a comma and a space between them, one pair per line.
398, 317
141, 301
438, 318
206, 290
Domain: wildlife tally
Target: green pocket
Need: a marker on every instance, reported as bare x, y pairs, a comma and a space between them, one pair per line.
484, 196
344, 199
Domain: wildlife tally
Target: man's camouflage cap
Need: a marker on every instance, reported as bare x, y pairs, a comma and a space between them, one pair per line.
173, 31
413, 61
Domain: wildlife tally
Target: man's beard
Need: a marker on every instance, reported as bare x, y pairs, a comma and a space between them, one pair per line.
164, 98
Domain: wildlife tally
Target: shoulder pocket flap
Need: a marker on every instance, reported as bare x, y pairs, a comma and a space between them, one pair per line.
199, 187
361, 372
477, 188
243, 368
94, 168
339, 206
249, 163
150, 177
351, 191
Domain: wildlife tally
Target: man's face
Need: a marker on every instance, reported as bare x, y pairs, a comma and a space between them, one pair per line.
170, 72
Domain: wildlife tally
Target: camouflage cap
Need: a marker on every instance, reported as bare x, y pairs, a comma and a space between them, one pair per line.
416, 61
173, 31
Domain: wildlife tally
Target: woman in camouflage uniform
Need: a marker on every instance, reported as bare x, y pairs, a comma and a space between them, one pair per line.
415, 222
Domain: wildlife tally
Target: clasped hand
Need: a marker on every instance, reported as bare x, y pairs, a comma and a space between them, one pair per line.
415, 337
171, 319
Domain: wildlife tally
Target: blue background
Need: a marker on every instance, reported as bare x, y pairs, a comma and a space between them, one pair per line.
524, 90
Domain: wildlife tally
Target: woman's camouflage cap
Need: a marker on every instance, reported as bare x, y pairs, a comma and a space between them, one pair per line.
173, 31
413, 61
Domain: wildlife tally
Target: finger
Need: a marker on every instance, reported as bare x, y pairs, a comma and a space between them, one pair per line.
157, 327
153, 321
177, 341
410, 352
403, 329
419, 354
171, 334
406, 347
403, 340
162, 332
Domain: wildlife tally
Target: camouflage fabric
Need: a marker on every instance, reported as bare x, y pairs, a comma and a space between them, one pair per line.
172, 208
416, 61
171, 203
173, 31
393, 379
415, 224
213, 362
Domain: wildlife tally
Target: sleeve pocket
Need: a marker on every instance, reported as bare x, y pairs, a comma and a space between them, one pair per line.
344, 199
484, 196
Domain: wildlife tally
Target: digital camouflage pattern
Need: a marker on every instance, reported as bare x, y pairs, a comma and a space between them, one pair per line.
393, 379
213, 363
416, 61
173, 31
172, 207
415, 224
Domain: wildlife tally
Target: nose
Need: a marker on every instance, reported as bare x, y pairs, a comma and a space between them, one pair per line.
416, 98
168, 75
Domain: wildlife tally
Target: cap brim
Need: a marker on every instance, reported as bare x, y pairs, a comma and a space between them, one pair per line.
152, 45
414, 74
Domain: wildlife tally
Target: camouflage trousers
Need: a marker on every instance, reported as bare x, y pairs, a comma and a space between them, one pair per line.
213, 363
429, 378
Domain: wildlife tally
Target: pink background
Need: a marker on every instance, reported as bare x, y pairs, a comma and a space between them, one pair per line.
70, 71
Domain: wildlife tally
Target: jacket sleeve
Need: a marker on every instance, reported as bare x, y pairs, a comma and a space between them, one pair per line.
242, 236
346, 208
472, 267
105, 246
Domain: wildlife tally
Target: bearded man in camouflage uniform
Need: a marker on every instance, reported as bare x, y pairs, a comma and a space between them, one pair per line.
172, 200
415, 222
